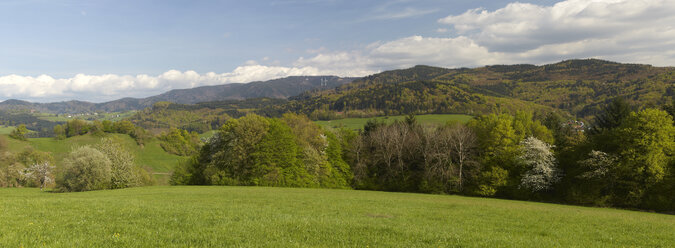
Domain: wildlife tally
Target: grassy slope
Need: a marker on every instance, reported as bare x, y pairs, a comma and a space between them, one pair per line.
151, 155
103, 116
357, 123
6, 129
285, 217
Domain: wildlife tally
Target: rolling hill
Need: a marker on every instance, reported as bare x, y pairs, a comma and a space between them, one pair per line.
574, 87
278, 88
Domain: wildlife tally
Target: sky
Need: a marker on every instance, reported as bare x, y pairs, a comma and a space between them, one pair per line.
102, 50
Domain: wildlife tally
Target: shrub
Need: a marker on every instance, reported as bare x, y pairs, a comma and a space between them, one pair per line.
122, 164
19, 132
85, 169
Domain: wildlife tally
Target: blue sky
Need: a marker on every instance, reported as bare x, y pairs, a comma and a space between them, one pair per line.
62, 38
102, 50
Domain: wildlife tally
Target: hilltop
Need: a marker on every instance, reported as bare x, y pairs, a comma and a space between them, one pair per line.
573, 87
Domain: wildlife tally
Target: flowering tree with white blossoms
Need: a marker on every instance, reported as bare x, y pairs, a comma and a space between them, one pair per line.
543, 171
41, 172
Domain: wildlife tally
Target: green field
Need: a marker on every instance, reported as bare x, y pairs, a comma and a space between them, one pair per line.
114, 116
357, 123
172, 216
150, 156
208, 134
6, 129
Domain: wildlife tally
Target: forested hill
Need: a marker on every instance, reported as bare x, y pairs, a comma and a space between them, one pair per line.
278, 88
572, 87
576, 87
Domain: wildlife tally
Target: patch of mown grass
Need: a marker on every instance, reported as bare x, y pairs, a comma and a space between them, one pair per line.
287, 217
358, 123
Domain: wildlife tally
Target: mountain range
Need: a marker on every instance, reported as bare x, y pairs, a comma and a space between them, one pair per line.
576, 87
281, 88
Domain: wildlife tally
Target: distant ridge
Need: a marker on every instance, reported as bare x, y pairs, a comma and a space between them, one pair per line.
576, 87
281, 88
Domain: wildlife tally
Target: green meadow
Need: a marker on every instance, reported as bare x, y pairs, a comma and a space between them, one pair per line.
113, 116
6, 129
358, 123
202, 216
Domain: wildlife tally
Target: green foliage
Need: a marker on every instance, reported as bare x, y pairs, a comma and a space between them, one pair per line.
180, 142
123, 127
253, 150
164, 116
575, 87
19, 132
38, 127
613, 115
85, 169
339, 173
499, 138
185, 173
359, 123
491, 180
228, 158
603, 133
123, 174
647, 141
76, 127
107, 165
59, 132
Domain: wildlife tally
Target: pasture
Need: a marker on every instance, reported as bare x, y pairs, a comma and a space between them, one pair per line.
358, 123
217, 216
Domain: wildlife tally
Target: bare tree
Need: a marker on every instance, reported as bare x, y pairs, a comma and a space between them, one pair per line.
462, 142
384, 142
360, 169
437, 157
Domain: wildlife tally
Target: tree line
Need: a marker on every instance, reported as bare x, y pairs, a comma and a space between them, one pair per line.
624, 160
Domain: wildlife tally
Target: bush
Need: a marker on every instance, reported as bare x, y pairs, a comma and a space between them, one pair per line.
19, 132
180, 142
122, 170
85, 169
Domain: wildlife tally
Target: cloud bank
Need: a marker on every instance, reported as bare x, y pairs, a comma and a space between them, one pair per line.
636, 31
100, 88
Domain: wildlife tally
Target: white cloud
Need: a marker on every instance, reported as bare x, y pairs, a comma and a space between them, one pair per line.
522, 27
402, 53
99, 88
635, 31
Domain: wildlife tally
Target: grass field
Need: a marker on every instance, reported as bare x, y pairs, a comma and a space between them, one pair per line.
171, 216
6, 129
208, 134
114, 116
357, 123
151, 155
